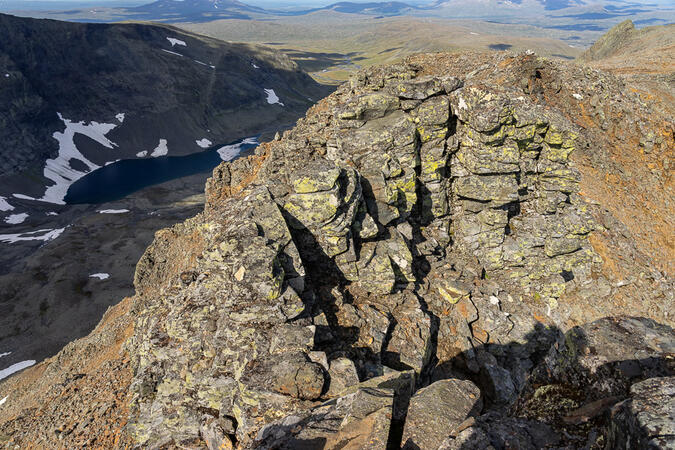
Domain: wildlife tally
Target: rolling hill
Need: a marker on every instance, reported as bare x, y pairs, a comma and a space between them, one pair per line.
193, 10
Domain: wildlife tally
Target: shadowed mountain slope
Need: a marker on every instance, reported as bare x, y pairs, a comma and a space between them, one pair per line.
123, 89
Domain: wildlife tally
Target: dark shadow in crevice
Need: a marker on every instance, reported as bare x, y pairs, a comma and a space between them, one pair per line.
542, 413
323, 282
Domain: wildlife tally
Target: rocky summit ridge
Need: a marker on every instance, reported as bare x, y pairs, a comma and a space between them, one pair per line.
446, 253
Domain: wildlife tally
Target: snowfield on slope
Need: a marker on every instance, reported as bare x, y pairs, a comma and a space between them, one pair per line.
4, 205
59, 170
204, 143
16, 219
204, 64
161, 149
272, 97
46, 236
4, 373
100, 276
113, 211
173, 53
175, 42
229, 152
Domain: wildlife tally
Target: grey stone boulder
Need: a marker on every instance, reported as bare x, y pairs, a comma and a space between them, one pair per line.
499, 386
410, 343
493, 431
362, 418
215, 436
421, 88
342, 374
647, 418
401, 383
436, 410
606, 356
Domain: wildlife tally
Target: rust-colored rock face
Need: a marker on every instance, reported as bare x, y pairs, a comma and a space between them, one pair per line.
448, 217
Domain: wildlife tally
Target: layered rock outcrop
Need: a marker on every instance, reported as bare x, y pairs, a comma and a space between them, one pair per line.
422, 231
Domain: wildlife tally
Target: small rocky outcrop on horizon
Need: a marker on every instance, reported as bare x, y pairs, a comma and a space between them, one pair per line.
426, 261
611, 42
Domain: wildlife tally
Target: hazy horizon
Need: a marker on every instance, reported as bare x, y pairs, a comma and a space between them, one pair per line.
37, 5
6, 5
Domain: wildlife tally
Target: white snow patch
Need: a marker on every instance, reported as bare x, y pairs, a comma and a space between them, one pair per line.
113, 211
160, 150
229, 152
204, 143
254, 66
2, 402
175, 42
173, 53
204, 64
15, 368
120, 117
272, 97
47, 235
59, 170
52, 213
4, 206
578, 96
15, 219
23, 197
100, 276
5, 354
142, 154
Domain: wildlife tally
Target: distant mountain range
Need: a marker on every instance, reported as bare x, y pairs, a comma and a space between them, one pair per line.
579, 15
197, 9
565, 9
372, 8
567, 15
203, 9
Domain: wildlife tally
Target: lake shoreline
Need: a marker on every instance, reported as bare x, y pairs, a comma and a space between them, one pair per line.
122, 178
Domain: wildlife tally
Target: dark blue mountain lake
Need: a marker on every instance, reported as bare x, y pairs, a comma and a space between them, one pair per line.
117, 180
